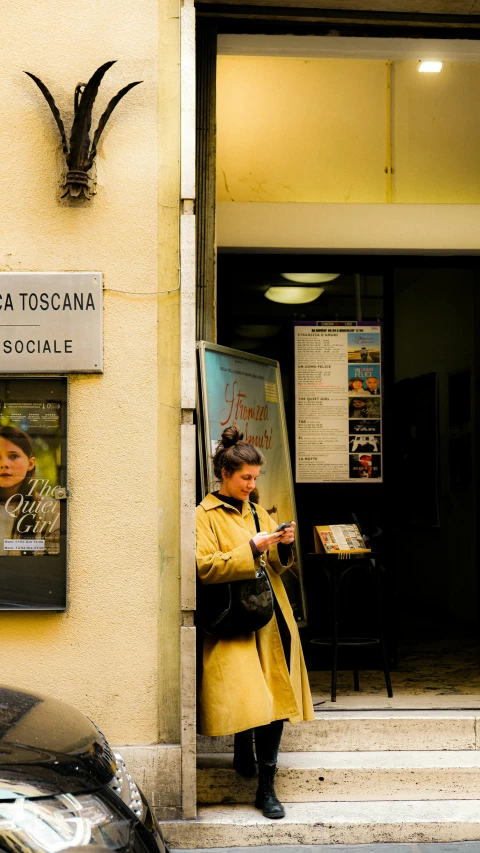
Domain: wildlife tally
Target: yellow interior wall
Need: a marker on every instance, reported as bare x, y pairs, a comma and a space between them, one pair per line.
437, 129
315, 130
300, 130
102, 653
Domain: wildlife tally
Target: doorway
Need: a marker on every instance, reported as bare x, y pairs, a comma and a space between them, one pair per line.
426, 506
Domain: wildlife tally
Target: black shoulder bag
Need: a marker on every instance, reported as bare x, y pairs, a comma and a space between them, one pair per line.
239, 607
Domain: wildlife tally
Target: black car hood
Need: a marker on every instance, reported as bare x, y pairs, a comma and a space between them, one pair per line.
47, 747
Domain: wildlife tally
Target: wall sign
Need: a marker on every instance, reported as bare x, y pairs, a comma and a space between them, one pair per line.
246, 390
33, 479
338, 403
51, 322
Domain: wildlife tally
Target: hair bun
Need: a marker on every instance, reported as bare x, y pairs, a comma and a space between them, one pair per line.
230, 436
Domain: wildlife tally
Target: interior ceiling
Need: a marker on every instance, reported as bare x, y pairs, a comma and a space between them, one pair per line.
337, 16
431, 7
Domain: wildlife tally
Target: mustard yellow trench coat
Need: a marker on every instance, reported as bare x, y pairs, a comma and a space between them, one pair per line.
245, 680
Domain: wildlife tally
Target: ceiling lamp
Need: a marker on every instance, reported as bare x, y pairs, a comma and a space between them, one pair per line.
310, 277
430, 66
293, 295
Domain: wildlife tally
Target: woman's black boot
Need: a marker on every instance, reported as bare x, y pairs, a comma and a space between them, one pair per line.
266, 798
243, 755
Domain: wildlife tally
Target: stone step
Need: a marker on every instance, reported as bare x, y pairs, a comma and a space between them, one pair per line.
329, 823
373, 731
307, 777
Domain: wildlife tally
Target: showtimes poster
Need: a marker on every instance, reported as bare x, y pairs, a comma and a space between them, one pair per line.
338, 402
32, 485
243, 390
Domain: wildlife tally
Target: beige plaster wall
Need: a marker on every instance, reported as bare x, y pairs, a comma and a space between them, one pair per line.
102, 654
168, 376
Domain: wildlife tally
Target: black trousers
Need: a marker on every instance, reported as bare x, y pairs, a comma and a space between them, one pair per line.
267, 741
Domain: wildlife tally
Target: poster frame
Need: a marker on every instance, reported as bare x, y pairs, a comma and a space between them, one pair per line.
204, 439
347, 326
54, 568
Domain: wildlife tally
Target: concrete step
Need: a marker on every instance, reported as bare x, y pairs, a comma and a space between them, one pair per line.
308, 777
329, 823
371, 730
447, 847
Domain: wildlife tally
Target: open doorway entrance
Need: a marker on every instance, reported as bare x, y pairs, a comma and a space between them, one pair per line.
426, 505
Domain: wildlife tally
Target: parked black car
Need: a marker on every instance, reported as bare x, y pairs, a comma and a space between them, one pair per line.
62, 787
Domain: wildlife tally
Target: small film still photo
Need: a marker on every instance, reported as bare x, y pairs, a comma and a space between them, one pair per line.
364, 347
363, 380
364, 444
364, 427
365, 466
364, 407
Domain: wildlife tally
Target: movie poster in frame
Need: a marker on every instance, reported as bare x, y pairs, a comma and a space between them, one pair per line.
33, 490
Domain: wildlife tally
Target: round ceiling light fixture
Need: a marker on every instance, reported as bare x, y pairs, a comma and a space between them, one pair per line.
293, 295
310, 277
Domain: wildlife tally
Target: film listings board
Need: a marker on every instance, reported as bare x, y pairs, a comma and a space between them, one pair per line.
338, 396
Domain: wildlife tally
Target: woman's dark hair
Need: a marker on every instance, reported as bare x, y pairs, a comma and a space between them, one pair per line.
232, 453
24, 442
352, 382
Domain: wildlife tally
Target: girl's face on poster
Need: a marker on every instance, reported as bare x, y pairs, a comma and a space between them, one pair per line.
356, 384
358, 404
14, 466
239, 484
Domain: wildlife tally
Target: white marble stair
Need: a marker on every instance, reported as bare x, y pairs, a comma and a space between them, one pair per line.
309, 777
329, 823
349, 777
350, 731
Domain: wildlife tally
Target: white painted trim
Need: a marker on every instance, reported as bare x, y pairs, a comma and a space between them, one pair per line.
342, 47
189, 722
187, 311
188, 569
420, 228
187, 404
187, 102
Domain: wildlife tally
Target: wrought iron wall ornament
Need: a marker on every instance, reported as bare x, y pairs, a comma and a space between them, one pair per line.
80, 155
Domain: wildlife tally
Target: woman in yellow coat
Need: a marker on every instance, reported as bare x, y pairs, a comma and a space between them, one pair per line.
255, 681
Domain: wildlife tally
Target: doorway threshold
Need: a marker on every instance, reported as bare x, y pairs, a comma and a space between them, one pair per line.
436, 674
402, 702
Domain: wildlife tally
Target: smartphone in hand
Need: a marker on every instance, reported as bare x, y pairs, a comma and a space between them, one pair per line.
283, 526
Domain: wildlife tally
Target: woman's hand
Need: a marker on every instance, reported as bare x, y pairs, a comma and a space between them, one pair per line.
264, 541
288, 535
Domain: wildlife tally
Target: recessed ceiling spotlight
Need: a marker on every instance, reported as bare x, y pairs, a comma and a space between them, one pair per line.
293, 295
430, 66
310, 277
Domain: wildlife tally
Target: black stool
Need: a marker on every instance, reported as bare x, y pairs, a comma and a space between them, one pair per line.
336, 567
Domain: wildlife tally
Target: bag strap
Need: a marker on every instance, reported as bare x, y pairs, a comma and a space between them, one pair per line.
257, 525
255, 517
